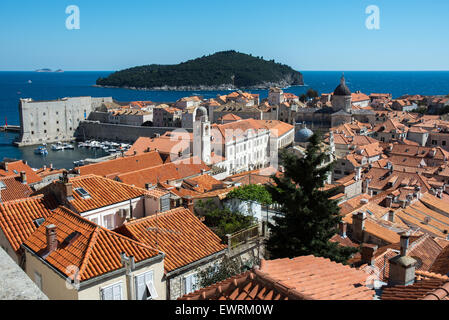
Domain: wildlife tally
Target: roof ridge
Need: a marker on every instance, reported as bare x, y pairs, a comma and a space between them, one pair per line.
157, 215
87, 255
91, 175
36, 197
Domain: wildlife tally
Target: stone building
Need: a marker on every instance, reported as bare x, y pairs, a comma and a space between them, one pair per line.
54, 121
341, 112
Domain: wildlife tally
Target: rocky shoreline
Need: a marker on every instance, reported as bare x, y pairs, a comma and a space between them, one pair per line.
223, 87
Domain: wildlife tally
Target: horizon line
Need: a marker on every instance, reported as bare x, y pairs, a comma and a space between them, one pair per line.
306, 70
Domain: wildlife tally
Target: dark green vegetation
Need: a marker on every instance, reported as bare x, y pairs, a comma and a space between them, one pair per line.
308, 218
223, 221
251, 192
221, 68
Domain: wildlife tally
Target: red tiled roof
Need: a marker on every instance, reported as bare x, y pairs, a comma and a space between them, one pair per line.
247, 286
163, 144
17, 217
179, 234
102, 191
319, 278
122, 165
441, 263
170, 171
16, 167
96, 251
428, 289
13, 189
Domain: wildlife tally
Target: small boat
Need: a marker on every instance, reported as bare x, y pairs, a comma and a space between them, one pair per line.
112, 150
68, 146
29, 81
41, 151
78, 163
57, 147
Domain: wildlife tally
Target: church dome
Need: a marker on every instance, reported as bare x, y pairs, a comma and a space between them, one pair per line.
342, 89
303, 135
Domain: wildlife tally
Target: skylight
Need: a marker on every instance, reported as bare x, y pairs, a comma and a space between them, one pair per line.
39, 222
2, 185
83, 193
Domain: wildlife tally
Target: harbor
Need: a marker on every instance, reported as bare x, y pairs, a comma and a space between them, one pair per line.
64, 158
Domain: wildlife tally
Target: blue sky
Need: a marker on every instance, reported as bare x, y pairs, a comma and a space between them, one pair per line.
308, 35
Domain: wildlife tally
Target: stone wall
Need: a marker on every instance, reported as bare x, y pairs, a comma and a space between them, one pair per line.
53, 121
120, 133
15, 283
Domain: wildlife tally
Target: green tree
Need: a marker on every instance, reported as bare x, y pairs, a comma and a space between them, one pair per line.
251, 192
308, 218
223, 221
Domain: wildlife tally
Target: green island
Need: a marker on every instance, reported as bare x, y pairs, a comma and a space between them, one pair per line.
219, 71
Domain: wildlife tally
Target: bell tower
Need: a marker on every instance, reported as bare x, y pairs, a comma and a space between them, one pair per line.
202, 136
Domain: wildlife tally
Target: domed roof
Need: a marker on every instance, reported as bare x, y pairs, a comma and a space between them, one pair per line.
303, 135
342, 89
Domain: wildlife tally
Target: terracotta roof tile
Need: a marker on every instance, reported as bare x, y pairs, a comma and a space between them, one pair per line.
13, 189
17, 217
122, 165
319, 278
428, 289
172, 171
179, 234
96, 251
14, 168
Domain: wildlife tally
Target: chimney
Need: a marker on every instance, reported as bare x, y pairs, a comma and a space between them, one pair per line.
388, 201
68, 190
402, 267
391, 216
52, 241
358, 225
23, 177
51, 166
368, 251
342, 228
5, 166
358, 173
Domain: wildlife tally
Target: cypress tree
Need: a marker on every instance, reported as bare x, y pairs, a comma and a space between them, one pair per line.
308, 218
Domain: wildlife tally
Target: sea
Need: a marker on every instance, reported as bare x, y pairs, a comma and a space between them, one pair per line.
49, 86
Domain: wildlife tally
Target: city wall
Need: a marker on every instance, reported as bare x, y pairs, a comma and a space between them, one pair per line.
88, 130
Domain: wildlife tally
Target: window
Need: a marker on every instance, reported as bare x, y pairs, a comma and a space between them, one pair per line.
190, 283
38, 280
434, 142
145, 289
443, 143
83, 193
108, 221
94, 220
113, 292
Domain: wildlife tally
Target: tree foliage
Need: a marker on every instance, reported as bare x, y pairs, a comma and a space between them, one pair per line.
308, 218
251, 192
224, 67
223, 221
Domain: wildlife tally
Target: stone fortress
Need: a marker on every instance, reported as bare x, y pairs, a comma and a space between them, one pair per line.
54, 121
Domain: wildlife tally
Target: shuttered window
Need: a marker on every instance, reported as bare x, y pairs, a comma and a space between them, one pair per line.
190, 283
145, 287
113, 292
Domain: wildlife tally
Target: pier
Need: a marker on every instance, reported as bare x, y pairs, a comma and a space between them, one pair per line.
9, 128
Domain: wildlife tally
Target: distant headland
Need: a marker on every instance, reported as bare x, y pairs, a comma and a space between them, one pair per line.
49, 70
226, 70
